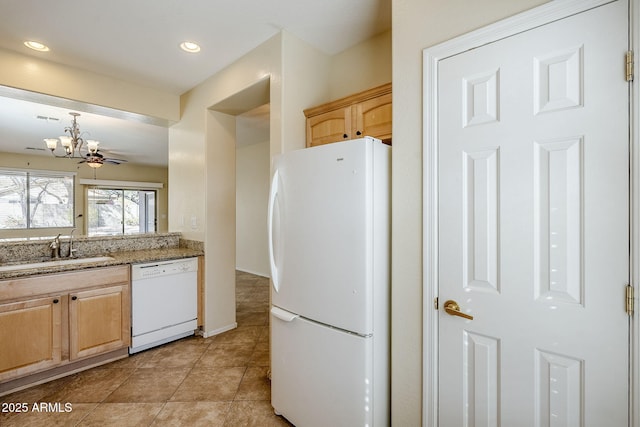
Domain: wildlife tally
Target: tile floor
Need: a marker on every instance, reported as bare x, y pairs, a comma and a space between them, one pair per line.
217, 381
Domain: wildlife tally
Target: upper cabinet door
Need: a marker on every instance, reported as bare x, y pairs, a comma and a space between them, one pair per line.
374, 118
365, 113
332, 126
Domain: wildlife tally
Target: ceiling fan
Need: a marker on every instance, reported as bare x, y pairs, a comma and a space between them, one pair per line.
95, 159
74, 145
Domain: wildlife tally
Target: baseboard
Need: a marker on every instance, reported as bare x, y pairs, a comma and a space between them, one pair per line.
257, 273
65, 369
218, 331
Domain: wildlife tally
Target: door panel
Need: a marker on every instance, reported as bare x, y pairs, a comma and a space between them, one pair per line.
332, 126
533, 230
99, 321
374, 117
38, 320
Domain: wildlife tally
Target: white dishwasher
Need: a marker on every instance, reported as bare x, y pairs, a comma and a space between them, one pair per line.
164, 302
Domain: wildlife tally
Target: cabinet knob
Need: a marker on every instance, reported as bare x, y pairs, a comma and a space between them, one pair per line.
345, 136
358, 133
74, 298
55, 301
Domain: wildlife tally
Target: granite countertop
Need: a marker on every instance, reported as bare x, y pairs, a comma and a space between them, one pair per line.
117, 258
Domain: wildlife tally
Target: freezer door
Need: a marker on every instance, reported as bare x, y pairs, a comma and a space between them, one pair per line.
323, 232
321, 376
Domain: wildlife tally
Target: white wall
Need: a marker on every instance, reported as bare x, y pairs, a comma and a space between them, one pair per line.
418, 24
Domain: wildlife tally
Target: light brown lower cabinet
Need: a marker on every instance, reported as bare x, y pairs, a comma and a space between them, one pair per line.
73, 319
31, 336
98, 321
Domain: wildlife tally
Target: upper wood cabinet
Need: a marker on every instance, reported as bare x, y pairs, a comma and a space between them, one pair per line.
367, 113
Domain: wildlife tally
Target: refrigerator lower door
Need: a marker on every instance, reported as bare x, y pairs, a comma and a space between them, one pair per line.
320, 376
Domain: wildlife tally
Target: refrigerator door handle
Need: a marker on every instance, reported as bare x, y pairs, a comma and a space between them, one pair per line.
283, 314
273, 192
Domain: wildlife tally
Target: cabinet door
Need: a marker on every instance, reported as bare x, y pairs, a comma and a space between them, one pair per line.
30, 336
332, 126
374, 118
99, 321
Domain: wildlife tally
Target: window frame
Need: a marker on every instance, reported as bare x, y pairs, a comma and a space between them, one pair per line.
122, 189
28, 174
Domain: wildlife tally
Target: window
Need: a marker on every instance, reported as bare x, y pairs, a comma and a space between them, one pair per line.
36, 199
118, 211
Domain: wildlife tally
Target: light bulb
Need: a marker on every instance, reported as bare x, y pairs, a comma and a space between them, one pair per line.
92, 145
52, 143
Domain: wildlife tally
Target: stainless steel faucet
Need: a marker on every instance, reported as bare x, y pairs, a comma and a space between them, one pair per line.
55, 247
72, 250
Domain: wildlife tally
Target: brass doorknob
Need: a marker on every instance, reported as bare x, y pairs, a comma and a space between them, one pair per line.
452, 308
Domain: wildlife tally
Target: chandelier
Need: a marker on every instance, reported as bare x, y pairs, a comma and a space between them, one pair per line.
74, 146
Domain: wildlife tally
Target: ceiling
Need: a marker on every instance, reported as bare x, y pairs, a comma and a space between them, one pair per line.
138, 42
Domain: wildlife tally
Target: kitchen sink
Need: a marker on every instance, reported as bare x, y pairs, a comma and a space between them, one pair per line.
53, 262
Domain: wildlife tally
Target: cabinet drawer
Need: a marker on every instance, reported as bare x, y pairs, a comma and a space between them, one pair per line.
50, 284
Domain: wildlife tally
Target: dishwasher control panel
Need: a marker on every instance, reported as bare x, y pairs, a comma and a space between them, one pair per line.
163, 268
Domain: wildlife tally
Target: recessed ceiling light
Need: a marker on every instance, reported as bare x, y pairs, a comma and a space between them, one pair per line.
36, 46
190, 47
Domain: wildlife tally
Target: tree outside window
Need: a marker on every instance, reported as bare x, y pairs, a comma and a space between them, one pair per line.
118, 211
36, 199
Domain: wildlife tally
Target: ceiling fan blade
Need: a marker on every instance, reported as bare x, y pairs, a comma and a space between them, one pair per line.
110, 153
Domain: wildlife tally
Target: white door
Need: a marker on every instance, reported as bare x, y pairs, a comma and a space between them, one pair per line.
533, 227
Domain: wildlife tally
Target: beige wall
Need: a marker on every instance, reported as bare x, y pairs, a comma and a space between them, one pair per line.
49, 78
305, 82
418, 24
361, 67
252, 196
202, 174
202, 155
123, 172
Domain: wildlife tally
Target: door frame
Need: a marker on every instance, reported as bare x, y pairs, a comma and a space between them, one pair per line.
525, 21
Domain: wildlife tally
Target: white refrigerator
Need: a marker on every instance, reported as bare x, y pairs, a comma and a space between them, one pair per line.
329, 241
